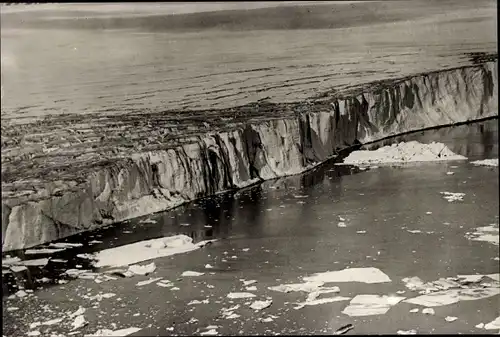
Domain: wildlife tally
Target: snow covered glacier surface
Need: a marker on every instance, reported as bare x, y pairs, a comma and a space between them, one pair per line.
266, 148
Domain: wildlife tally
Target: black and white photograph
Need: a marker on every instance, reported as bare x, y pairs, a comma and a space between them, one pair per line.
241, 168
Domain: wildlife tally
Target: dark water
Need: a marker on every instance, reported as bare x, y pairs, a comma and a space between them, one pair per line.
271, 210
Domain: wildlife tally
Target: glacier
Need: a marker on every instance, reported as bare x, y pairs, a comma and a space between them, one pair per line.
61, 197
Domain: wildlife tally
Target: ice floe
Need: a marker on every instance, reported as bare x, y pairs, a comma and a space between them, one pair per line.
108, 332
310, 301
367, 305
65, 245
260, 305
450, 319
146, 282
146, 250
489, 234
451, 196
240, 295
428, 311
485, 162
43, 251
79, 322
365, 275
407, 332
452, 289
493, 325
142, 269
190, 273
403, 152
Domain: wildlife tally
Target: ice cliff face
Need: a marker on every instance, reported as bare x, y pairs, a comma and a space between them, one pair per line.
152, 181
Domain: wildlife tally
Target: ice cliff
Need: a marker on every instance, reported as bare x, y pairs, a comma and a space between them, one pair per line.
233, 157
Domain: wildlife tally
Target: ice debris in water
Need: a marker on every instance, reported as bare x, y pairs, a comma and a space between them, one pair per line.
450, 318
403, 152
452, 289
191, 273
108, 332
367, 305
35, 251
146, 250
486, 162
79, 322
146, 282
451, 196
489, 234
142, 269
260, 305
428, 311
493, 325
240, 295
365, 275
65, 245
407, 332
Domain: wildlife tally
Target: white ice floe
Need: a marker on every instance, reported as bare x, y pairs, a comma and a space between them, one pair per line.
148, 221
53, 321
18, 269
99, 297
341, 224
450, 319
142, 269
165, 284
193, 302
34, 333
407, 332
493, 325
305, 287
414, 310
414, 231
245, 249
360, 232
251, 288
249, 282
365, 275
65, 245
321, 301
34, 263
80, 311
209, 266
43, 251
367, 305
402, 153
10, 260
190, 273
480, 326
451, 196
21, 293
489, 234
146, 250
240, 295
428, 311
146, 282
210, 332
79, 322
260, 305
113, 333
485, 162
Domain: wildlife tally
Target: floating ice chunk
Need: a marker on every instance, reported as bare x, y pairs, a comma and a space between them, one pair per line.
341, 224
193, 302
306, 287
208, 266
495, 277
493, 325
489, 234
367, 305
361, 232
21, 294
191, 273
450, 318
451, 296
247, 283
245, 249
211, 332
365, 275
148, 221
146, 282
34, 333
10, 309
85, 256
403, 152
94, 242
35, 263
413, 311
450, 173
321, 301
115, 333
252, 288
43, 251
428, 213
17, 269
142, 269
240, 295
414, 231
428, 311
300, 196
58, 260
10, 260
453, 196
146, 250
485, 162
260, 305
165, 284
79, 322
407, 332
65, 245
53, 321
78, 312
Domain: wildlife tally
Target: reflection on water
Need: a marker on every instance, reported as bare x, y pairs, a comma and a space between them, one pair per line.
286, 206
